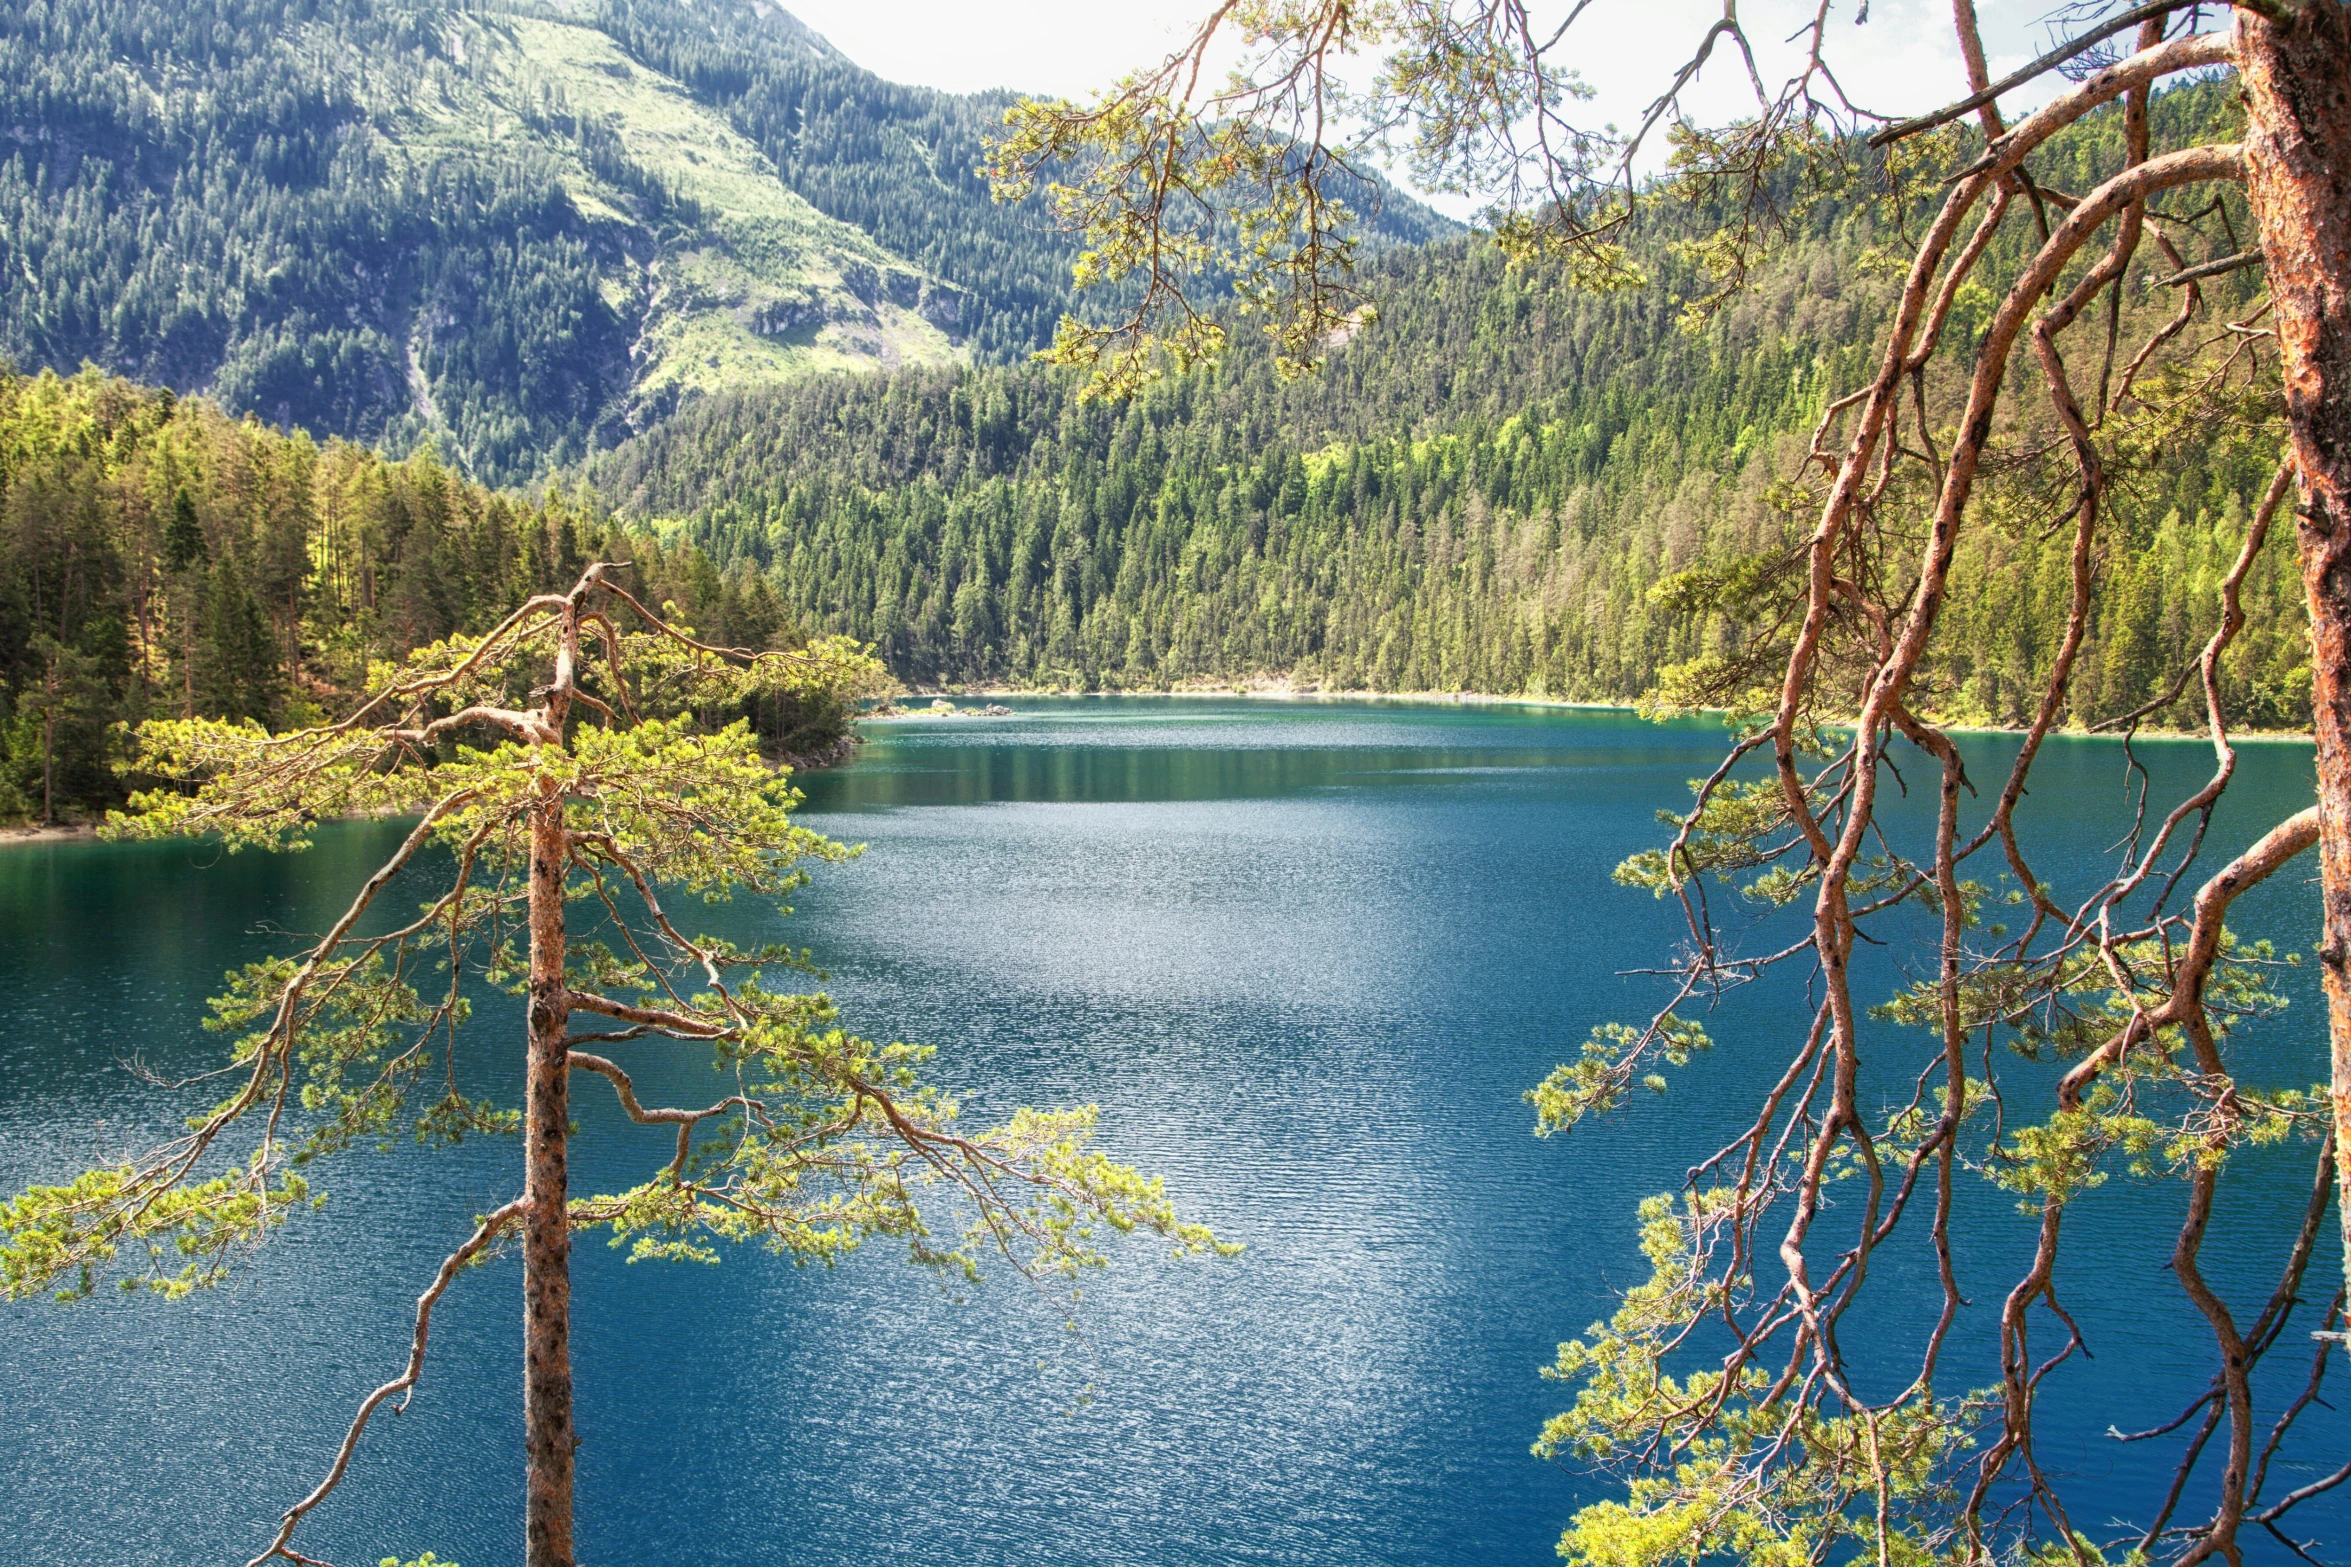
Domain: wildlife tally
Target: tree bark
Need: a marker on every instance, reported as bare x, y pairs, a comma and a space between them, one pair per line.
548, 1438
2296, 75
49, 749
188, 646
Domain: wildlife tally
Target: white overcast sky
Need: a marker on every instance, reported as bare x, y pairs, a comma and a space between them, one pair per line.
1902, 61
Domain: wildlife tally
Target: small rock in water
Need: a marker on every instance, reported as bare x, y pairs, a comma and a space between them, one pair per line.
998, 710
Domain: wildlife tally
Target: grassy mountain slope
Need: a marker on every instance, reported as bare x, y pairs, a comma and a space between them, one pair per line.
744, 282
897, 161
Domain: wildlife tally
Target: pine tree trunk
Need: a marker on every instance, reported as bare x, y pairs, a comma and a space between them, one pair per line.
2297, 83
548, 1440
49, 751
188, 649
141, 608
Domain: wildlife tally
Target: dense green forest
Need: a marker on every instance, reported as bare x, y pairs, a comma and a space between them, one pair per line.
159, 557
1504, 485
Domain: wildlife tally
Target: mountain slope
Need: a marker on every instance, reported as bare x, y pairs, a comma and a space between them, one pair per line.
517, 230
494, 230
897, 161
1503, 485
743, 281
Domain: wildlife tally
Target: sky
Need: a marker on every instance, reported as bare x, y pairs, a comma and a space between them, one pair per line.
1903, 61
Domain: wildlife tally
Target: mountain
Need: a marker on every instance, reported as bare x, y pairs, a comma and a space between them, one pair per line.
517, 231
1503, 485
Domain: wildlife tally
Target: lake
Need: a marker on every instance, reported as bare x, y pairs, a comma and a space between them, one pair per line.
1305, 956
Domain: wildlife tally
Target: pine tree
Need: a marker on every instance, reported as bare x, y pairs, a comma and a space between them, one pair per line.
236, 673
183, 536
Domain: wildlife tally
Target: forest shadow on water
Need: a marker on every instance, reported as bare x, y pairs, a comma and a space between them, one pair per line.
1306, 957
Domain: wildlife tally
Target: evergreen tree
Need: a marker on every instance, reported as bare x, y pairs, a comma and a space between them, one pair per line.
183, 537
59, 747
236, 674
822, 1142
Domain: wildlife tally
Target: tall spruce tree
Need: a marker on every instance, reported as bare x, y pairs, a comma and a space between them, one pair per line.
236, 666
183, 537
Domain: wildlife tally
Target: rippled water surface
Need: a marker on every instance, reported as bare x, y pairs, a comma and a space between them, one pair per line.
1305, 957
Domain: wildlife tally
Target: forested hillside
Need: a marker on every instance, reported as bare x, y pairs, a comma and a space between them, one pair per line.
400, 223
1505, 485
515, 230
159, 557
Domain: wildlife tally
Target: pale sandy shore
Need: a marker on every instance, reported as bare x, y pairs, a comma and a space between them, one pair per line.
11, 837
1283, 691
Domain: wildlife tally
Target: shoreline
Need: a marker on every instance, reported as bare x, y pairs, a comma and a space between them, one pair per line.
840, 750
845, 749
1283, 691
64, 832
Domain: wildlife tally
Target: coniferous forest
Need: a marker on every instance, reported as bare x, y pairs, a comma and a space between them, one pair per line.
163, 559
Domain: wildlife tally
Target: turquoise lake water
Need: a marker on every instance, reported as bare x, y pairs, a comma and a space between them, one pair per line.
1305, 956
